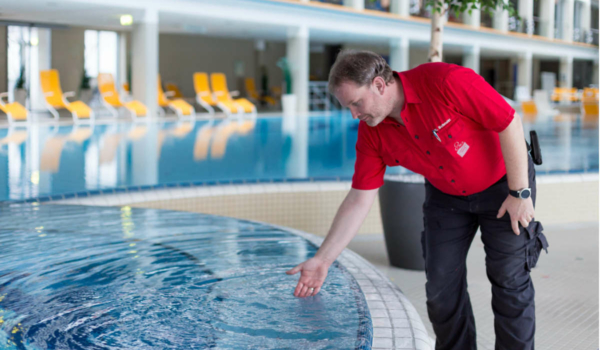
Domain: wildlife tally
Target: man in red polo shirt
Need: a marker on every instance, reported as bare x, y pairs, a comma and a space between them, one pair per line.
445, 122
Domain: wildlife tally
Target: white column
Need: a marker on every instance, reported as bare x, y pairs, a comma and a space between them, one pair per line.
500, 19
567, 8
41, 59
298, 58
524, 73
399, 54
144, 61
474, 19
547, 18
566, 72
586, 19
400, 7
122, 67
471, 58
526, 14
355, 4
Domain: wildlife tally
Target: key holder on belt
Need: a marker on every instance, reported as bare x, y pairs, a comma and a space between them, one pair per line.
534, 148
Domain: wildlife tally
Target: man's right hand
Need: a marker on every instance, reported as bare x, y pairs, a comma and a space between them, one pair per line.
313, 274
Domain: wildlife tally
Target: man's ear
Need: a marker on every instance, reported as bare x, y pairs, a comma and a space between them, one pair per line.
379, 85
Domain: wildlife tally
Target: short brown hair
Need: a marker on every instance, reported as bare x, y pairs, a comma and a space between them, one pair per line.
360, 67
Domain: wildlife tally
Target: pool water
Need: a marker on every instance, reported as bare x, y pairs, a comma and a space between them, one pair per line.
81, 277
48, 160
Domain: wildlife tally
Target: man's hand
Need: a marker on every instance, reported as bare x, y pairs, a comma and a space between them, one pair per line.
519, 210
313, 274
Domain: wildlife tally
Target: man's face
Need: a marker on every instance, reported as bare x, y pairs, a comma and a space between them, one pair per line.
365, 102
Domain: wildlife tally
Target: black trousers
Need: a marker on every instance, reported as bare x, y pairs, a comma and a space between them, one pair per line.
450, 226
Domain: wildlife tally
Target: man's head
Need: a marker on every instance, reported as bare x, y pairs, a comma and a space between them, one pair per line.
361, 81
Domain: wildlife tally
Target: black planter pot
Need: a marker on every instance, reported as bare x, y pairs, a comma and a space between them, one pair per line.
401, 203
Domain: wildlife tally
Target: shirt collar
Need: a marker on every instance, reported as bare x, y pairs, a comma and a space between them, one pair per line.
410, 96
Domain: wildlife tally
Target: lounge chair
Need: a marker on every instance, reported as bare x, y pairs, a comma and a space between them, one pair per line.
56, 99
15, 112
179, 106
218, 83
206, 99
112, 101
255, 95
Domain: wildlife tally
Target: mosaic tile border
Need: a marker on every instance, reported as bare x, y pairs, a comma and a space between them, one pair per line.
396, 323
121, 196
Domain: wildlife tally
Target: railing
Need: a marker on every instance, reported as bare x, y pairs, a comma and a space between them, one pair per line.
486, 20
594, 36
378, 5
336, 2
319, 97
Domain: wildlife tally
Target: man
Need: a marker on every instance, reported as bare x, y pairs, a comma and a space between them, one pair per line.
446, 123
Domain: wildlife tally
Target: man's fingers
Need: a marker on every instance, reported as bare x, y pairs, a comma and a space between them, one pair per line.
524, 222
294, 270
303, 292
298, 289
317, 290
501, 212
515, 226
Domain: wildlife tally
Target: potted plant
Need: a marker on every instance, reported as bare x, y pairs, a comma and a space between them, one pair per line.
288, 100
20, 94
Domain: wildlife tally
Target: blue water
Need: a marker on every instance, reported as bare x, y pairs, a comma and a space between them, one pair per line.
119, 278
46, 160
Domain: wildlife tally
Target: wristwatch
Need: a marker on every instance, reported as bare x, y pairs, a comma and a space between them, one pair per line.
522, 194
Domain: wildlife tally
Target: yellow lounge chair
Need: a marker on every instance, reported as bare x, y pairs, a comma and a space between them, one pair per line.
205, 97
179, 106
589, 104
529, 111
112, 101
174, 90
56, 99
251, 90
219, 87
15, 111
589, 95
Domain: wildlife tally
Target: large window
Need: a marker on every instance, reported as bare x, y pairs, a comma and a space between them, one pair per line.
18, 56
101, 53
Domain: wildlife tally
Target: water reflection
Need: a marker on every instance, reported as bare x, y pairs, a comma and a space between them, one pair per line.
43, 160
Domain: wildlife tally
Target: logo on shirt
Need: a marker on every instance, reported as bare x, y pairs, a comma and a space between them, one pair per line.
461, 148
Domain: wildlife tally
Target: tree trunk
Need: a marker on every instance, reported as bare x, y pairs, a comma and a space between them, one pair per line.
437, 30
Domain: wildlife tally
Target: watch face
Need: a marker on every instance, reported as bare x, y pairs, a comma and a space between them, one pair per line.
525, 193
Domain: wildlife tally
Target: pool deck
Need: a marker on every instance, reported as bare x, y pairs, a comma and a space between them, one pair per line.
565, 280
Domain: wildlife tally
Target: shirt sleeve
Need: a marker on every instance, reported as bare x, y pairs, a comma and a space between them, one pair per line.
474, 98
369, 167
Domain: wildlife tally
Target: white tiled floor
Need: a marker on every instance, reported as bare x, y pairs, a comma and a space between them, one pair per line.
566, 284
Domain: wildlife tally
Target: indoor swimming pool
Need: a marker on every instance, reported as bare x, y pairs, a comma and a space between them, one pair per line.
49, 161
82, 277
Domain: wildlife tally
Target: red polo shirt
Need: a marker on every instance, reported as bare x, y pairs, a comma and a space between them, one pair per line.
452, 118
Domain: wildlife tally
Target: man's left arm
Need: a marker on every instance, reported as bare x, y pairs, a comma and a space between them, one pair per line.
514, 150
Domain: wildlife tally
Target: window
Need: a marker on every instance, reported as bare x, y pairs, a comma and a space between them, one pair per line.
101, 53
18, 56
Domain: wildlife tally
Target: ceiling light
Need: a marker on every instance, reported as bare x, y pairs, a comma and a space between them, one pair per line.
126, 20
